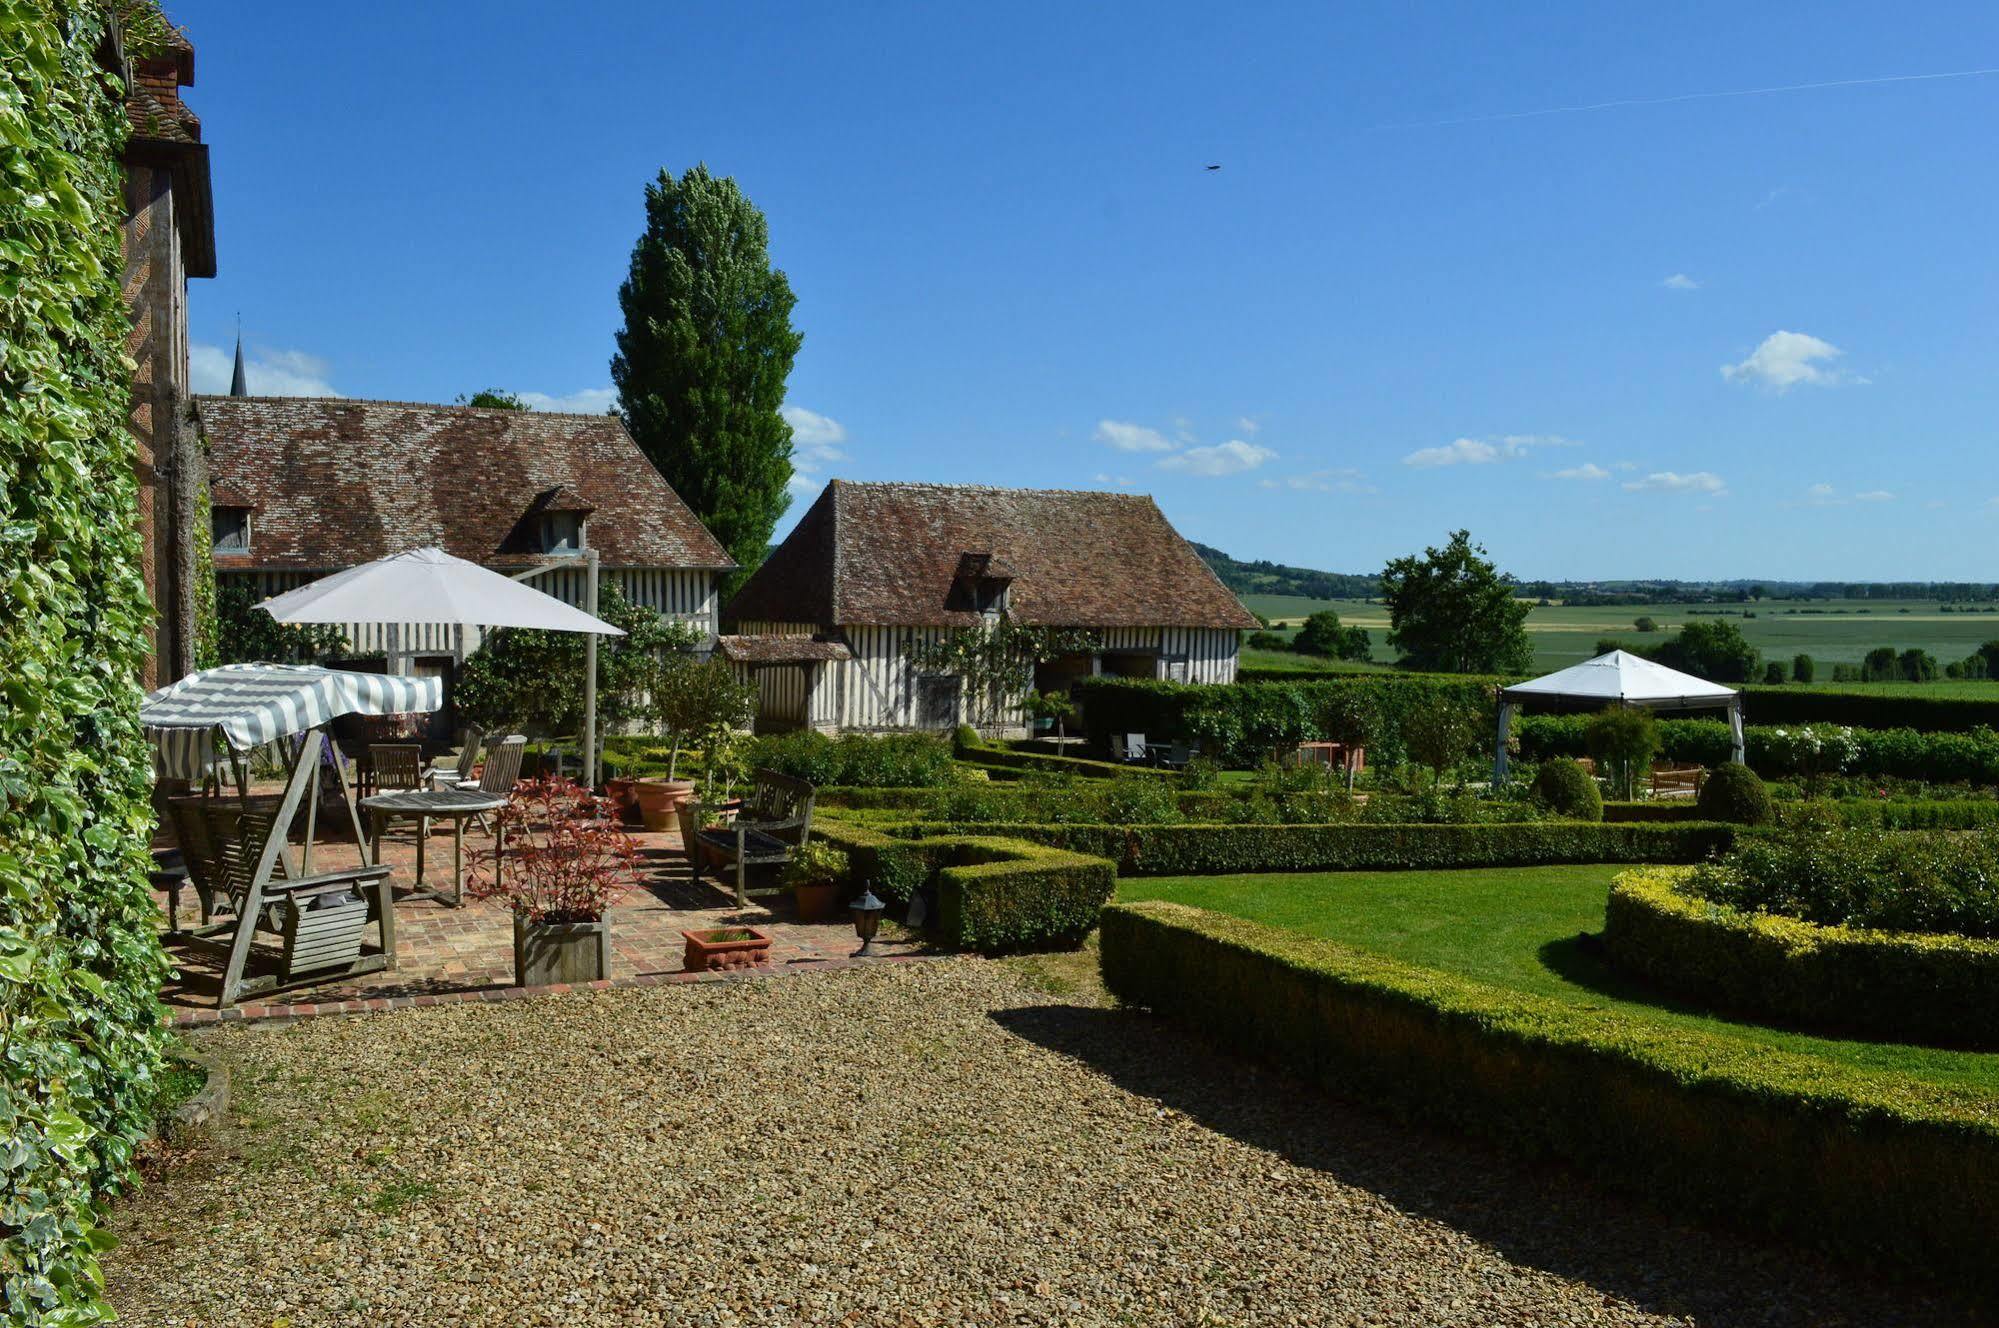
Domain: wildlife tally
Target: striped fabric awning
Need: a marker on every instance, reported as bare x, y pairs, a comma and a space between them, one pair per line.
252, 704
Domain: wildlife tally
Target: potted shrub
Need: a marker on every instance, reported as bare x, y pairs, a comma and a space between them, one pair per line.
566, 861
814, 875
693, 703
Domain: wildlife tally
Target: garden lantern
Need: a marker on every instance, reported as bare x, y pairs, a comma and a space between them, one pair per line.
867, 920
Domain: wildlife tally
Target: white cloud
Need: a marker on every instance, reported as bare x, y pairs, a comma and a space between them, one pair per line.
1680, 281
815, 440
1247, 427
1874, 496
1342, 480
1461, 452
1115, 481
1230, 458
1588, 470
1786, 359
267, 373
1485, 451
1820, 493
1667, 481
590, 401
1126, 437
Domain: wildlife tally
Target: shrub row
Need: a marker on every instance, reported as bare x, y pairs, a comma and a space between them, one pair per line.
1207, 850
1899, 986
81, 1036
1006, 758
1893, 814
1971, 757
1863, 1164
887, 760
1864, 710
1918, 880
1241, 723
994, 895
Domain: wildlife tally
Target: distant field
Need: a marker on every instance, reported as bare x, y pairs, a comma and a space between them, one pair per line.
1832, 632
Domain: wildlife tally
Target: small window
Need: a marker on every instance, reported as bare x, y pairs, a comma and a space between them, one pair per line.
230, 527
562, 532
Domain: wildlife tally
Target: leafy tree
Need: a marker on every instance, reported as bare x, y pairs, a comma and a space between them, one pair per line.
1802, 668
1881, 664
1623, 739
534, 679
1714, 649
494, 398
703, 355
1451, 611
1352, 717
1606, 644
1917, 665
1055, 706
1989, 652
245, 634
1440, 734
699, 705
1773, 673
1323, 635
1646, 625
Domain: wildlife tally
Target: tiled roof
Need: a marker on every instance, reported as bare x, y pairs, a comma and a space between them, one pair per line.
338, 482
153, 104
779, 649
891, 555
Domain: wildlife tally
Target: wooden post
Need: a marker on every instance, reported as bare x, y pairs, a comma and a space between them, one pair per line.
253, 902
590, 673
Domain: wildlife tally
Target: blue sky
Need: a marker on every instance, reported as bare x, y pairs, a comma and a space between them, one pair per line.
1723, 336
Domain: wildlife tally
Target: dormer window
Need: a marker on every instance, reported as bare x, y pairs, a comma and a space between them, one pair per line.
562, 533
230, 529
981, 584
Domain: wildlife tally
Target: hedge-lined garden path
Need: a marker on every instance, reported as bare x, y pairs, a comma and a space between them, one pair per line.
937, 1143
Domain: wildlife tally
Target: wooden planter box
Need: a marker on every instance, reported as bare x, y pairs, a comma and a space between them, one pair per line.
704, 953
550, 952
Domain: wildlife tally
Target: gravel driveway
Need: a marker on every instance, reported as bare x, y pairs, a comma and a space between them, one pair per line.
933, 1143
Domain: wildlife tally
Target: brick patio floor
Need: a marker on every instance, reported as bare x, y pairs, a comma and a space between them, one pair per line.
441, 949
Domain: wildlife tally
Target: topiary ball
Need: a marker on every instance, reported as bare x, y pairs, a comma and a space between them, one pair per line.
1735, 793
1566, 789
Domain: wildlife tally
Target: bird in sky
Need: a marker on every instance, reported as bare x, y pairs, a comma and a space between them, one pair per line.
1217, 166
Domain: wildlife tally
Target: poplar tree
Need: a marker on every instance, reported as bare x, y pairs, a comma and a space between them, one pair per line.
702, 358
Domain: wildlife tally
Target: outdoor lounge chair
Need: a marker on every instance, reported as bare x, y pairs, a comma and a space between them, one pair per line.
1134, 751
502, 771
775, 822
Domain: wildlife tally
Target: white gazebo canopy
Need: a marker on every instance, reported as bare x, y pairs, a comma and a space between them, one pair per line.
1617, 679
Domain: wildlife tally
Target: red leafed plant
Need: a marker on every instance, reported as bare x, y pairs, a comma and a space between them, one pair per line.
560, 855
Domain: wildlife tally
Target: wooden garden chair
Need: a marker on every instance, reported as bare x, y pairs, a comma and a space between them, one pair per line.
442, 775
775, 822
501, 773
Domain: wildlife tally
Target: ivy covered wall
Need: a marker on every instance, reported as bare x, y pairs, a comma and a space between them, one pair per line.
80, 962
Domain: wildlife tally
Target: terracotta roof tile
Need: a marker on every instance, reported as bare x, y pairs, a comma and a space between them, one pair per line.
338, 482
891, 555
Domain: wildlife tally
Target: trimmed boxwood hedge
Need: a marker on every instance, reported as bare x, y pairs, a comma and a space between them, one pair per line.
1207, 850
1896, 813
994, 895
1865, 1165
1891, 985
1943, 758
1006, 758
80, 958
1864, 710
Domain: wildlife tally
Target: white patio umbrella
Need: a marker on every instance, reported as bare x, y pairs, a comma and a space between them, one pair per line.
430, 586
1617, 679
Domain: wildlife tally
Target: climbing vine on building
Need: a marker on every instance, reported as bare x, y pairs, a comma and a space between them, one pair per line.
80, 961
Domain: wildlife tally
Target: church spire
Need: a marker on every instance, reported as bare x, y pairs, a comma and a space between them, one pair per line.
239, 385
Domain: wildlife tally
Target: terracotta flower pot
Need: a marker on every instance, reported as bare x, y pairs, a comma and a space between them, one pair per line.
659, 801
619, 791
815, 900
745, 947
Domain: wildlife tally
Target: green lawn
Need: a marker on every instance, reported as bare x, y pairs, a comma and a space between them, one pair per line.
1829, 631
1515, 927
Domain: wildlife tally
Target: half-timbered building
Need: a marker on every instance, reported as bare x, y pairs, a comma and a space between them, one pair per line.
827, 624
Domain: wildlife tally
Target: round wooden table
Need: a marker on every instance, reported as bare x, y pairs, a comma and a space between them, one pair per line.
424, 806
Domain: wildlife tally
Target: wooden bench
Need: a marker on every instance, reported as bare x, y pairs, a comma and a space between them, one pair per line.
1677, 781
775, 822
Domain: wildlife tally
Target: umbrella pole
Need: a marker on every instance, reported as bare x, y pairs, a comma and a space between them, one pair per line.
590, 675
